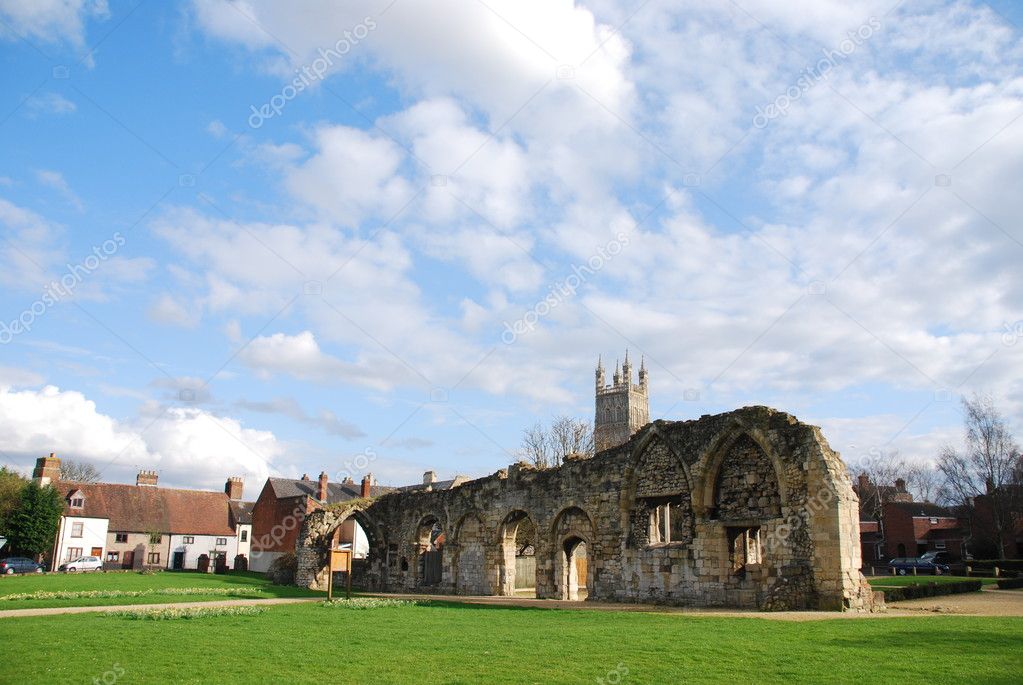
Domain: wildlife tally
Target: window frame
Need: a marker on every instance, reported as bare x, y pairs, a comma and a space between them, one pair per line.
77, 529
153, 555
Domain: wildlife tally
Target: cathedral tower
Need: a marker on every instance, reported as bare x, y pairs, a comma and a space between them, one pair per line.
621, 408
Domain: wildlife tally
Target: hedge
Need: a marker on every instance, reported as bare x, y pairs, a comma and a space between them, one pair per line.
1010, 583
930, 590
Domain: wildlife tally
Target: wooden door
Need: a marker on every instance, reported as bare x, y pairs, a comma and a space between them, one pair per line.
128, 560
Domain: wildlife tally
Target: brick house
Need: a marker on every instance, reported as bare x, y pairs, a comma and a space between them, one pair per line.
145, 525
984, 538
913, 528
283, 504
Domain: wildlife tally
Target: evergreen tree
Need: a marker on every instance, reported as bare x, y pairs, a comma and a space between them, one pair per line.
33, 525
11, 485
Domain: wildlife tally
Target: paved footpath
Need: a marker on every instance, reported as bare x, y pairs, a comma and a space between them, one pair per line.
989, 602
55, 611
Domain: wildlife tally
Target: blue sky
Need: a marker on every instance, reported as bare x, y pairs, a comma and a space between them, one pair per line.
374, 277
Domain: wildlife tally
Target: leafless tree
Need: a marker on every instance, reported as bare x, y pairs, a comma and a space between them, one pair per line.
882, 468
79, 471
547, 446
925, 482
990, 464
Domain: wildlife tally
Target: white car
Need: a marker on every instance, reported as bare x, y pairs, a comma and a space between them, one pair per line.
82, 564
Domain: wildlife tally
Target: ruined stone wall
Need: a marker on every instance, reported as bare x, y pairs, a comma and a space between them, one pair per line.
761, 514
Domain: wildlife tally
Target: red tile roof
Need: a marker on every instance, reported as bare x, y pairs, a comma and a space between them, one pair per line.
148, 509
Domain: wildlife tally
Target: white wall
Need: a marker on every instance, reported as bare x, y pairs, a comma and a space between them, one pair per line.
94, 534
244, 547
202, 544
260, 561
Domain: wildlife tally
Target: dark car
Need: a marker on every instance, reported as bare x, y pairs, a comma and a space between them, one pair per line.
905, 565
12, 565
940, 558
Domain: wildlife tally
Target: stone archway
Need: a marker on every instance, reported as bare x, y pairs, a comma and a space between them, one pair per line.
429, 541
318, 533
573, 536
517, 538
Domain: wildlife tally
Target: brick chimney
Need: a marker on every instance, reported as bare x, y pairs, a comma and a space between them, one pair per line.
429, 478
367, 483
145, 477
321, 493
47, 470
864, 482
233, 488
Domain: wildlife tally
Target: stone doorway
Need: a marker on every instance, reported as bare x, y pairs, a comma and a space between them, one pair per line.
518, 556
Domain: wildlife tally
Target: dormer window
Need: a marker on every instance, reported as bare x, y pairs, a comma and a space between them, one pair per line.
77, 500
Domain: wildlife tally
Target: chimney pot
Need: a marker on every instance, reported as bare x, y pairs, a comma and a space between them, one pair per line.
900, 484
367, 483
429, 477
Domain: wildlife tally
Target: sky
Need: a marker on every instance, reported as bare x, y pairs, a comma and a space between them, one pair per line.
256, 238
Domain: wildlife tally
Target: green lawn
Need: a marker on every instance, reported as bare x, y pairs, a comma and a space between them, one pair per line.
902, 581
449, 643
243, 583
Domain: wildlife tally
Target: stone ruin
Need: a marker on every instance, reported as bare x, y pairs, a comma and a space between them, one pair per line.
747, 509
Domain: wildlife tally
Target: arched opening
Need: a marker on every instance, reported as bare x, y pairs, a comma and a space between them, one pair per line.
470, 558
351, 535
518, 555
429, 542
574, 570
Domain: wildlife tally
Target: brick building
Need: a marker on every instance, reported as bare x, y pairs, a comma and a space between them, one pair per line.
283, 504
145, 525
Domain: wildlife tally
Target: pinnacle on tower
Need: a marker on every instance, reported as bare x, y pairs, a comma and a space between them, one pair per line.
627, 369
600, 373
618, 374
642, 371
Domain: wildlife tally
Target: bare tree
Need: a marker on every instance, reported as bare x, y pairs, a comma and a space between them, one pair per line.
990, 464
547, 446
79, 471
882, 468
925, 482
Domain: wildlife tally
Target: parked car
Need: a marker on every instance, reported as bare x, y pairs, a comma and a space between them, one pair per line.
12, 565
943, 558
905, 565
81, 564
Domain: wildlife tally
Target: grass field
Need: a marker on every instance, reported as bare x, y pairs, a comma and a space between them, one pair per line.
902, 581
243, 583
452, 643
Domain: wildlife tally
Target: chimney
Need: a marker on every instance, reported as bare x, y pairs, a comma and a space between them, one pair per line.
305, 476
900, 484
367, 482
146, 478
47, 470
348, 481
233, 488
321, 493
864, 483
429, 478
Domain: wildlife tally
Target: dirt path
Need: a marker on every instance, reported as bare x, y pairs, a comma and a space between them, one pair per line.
990, 601
55, 611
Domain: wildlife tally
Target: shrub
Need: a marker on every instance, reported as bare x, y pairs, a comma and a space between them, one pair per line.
1010, 583
282, 570
930, 590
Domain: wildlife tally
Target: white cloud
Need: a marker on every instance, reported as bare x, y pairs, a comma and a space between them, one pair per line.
186, 445
49, 103
52, 21
170, 311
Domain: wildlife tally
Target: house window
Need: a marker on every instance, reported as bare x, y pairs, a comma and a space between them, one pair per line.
76, 529
113, 556
188, 540
73, 553
155, 538
245, 536
934, 521
154, 557
120, 537
221, 542
939, 544
77, 503
743, 549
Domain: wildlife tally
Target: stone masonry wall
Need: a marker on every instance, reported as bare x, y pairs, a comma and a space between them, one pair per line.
754, 474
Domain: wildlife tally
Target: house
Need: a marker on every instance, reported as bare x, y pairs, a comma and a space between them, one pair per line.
148, 526
283, 504
893, 525
984, 540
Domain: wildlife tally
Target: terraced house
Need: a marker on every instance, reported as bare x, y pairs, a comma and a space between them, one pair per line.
147, 526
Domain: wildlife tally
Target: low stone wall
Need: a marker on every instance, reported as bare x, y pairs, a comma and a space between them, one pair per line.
745, 509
